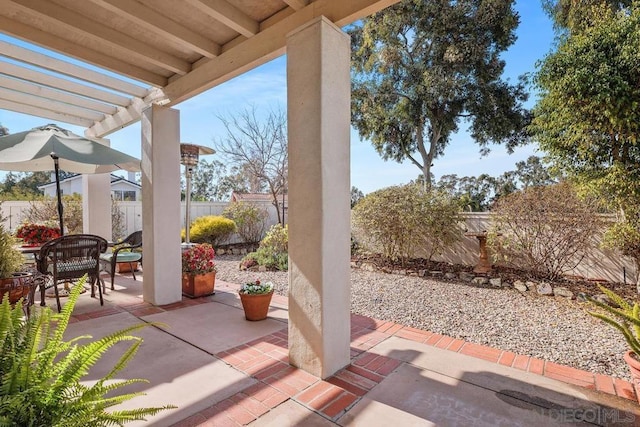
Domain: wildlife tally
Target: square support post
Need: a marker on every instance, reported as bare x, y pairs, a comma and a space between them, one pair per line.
96, 202
318, 97
161, 205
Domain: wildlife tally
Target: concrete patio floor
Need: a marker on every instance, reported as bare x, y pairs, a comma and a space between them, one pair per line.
221, 370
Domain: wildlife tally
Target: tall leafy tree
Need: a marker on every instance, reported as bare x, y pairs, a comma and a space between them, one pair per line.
258, 148
23, 185
213, 181
356, 196
421, 68
588, 119
473, 193
533, 172
575, 16
480, 193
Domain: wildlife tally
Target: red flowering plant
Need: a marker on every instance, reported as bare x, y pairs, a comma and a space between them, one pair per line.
33, 234
198, 259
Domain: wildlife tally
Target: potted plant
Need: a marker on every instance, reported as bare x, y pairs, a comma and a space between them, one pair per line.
12, 281
36, 234
198, 270
626, 318
256, 297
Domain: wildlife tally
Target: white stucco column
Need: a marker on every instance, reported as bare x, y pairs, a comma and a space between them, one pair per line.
318, 97
161, 205
96, 202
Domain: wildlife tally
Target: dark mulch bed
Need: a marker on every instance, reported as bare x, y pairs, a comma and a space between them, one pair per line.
575, 284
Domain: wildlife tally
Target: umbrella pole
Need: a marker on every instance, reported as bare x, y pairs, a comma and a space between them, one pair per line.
187, 227
58, 192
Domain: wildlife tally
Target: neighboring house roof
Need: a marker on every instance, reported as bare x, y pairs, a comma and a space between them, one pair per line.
114, 179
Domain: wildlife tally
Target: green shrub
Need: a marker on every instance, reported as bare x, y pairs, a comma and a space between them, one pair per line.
211, 229
10, 258
546, 230
41, 374
248, 261
250, 220
277, 239
273, 250
400, 221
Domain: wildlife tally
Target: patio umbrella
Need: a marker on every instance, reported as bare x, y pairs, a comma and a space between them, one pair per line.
50, 147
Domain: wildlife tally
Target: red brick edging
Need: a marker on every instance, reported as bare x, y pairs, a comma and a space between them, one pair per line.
266, 360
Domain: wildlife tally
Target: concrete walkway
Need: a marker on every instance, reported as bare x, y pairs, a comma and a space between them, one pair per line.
221, 370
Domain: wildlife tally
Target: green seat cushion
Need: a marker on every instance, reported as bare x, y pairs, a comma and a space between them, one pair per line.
123, 257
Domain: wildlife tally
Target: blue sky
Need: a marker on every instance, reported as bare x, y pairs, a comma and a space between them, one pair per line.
265, 87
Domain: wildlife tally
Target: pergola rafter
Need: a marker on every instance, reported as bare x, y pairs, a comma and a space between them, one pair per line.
166, 54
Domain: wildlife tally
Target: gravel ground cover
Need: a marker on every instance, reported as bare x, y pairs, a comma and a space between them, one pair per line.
549, 328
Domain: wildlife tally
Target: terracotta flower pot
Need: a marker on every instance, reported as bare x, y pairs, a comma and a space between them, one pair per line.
17, 286
126, 267
256, 307
634, 365
198, 285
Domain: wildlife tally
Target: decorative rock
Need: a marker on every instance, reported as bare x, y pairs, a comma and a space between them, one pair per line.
582, 297
262, 268
220, 251
422, 273
480, 280
436, 273
354, 264
522, 287
563, 292
400, 272
449, 276
602, 298
520, 283
367, 266
530, 284
544, 288
243, 251
467, 277
496, 282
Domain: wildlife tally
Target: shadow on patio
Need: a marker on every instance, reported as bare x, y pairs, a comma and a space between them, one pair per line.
220, 369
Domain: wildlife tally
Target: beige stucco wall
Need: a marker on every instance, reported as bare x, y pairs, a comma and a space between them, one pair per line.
598, 264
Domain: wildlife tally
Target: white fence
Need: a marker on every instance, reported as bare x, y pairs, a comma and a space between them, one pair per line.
14, 211
598, 264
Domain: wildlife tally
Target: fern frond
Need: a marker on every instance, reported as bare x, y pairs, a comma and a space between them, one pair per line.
622, 327
617, 299
40, 372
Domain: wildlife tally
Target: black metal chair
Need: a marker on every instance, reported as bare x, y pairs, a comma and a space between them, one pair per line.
67, 259
125, 252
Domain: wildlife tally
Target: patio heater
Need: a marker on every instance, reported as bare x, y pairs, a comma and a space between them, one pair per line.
189, 156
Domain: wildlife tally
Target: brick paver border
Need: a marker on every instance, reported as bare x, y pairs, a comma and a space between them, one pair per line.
266, 360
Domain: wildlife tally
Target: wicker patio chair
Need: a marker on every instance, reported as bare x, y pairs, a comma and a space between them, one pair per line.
124, 252
67, 259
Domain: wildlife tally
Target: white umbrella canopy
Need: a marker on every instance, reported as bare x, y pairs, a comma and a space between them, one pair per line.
50, 147
31, 151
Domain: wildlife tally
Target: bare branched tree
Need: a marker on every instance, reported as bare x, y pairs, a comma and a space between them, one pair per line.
259, 148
